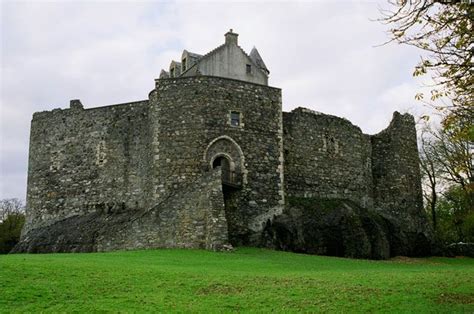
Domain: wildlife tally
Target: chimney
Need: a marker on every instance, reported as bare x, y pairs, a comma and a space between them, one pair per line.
231, 38
75, 104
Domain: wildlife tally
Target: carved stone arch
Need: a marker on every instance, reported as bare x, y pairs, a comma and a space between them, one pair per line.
225, 146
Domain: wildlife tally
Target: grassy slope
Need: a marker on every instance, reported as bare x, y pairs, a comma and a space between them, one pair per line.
248, 279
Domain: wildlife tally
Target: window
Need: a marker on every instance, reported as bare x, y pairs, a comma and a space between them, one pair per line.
172, 72
249, 68
183, 65
234, 118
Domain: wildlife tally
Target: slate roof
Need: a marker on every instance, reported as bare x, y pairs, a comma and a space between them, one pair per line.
257, 59
194, 55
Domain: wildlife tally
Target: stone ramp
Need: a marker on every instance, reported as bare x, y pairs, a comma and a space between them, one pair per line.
191, 216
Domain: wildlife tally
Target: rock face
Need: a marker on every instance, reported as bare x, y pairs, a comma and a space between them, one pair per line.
341, 228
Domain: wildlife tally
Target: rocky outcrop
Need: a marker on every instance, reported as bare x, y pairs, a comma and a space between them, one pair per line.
342, 228
459, 249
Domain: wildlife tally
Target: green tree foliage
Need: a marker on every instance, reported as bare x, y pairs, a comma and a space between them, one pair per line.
455, 217
12, 218
445, 30
447, 165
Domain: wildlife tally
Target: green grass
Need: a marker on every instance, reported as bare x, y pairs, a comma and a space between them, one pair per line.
246, 280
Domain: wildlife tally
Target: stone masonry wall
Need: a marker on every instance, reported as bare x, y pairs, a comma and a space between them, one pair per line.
89, 160
191, 126
395, 167
326, 157
192, 216
140, 175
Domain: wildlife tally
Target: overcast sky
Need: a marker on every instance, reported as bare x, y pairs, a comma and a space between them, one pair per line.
322, 54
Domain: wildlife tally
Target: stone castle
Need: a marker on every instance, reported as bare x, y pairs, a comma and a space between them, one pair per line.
210, 159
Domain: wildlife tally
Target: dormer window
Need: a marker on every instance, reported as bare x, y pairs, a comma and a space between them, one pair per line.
248, 69
183, 65
235, 118
172, 72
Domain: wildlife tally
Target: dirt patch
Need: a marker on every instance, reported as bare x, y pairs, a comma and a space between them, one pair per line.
456, 298
412, 260
218, 288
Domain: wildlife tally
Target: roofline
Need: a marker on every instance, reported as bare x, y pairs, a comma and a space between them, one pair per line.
121, 104
213, 51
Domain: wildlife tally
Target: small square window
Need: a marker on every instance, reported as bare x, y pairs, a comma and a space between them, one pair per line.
235, 118
249, 69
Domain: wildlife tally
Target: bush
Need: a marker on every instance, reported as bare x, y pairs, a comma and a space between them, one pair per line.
12, 218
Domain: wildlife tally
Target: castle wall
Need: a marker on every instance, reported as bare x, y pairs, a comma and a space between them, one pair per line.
193, 217
326, 157
395, 167
191, 124
190, 217
87, 160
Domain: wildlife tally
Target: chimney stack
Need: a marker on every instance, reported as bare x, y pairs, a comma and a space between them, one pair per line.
231, 38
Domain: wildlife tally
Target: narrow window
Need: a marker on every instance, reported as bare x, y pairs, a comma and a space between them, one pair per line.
172, 72
235, 118
249, 68
183, 65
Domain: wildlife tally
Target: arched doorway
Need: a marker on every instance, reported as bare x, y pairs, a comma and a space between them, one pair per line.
225, 153
228, 174
223, 162
225, 150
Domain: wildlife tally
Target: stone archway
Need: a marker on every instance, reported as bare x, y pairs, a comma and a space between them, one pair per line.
226, 147
224, 152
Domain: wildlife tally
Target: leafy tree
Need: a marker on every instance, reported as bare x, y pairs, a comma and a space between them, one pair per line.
445, 30
430, 171
12, 218
455, 217
447, 166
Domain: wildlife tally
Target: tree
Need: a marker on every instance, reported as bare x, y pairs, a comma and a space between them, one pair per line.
447, 166
430, 171
445, 30
455, 217
12, 218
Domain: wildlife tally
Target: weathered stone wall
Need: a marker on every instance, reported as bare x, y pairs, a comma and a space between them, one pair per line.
190, 119
395, 167
140, 175
87, 160
326, 157
192, 217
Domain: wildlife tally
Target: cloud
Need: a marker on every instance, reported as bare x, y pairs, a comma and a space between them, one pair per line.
322, 55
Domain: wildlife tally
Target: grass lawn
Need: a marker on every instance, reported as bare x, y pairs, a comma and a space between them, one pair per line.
246, 280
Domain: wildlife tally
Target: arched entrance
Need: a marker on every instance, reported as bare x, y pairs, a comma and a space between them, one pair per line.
225, 153
230, 177
224, 147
